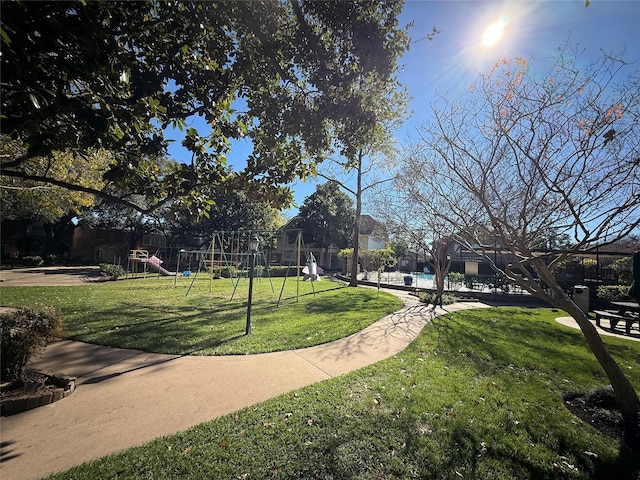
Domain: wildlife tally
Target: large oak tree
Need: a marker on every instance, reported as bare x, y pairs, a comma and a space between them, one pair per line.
116, 75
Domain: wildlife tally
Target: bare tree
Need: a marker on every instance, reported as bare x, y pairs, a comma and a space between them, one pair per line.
371, 171
417, 222
525, 154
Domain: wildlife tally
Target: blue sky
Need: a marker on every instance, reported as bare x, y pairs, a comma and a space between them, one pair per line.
534, 30
449, 63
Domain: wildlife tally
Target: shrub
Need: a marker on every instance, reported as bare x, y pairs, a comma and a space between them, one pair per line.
346, 256
623, 270
225, 272
112, 272
281, 271
472, 282
32, 261
24, 333
430, 297
51, 259
501, 283
613, 293
455, 279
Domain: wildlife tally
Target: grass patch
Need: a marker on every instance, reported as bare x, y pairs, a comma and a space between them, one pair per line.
152, 315
478, 395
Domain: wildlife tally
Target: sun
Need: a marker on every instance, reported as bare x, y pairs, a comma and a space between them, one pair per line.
493, 33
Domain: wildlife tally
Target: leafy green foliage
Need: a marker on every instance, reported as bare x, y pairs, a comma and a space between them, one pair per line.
229, 211
112, 272
27, 198
372, 260
285, 75
479, 394
51, 260
346, 255
282, 271
24, 333
613, 293
431, 298
326, 217
455, 279
623, 268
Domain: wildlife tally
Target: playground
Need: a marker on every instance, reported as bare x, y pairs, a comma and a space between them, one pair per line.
236, 255
227, 252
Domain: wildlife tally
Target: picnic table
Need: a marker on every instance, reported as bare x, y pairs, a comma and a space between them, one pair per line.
628, 312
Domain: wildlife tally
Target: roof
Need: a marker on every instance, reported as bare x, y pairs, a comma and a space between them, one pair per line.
367, 224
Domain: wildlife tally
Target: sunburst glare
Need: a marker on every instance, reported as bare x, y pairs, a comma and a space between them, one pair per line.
493, 33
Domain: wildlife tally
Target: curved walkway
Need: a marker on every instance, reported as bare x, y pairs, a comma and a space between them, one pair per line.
45, 276
128, 397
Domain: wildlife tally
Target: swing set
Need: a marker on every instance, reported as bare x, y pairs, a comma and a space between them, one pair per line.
229, 252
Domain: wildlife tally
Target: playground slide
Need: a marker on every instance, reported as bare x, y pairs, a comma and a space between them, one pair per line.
156, 264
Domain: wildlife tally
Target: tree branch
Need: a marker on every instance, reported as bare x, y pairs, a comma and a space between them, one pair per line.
80, 188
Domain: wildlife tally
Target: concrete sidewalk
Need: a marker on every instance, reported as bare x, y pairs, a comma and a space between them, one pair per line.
47, 276
127, 397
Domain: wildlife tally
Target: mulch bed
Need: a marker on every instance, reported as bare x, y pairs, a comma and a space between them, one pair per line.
36, 390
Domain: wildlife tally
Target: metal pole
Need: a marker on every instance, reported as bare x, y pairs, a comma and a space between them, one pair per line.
252, 261
213, 244
175, 279
298, 272
495, 265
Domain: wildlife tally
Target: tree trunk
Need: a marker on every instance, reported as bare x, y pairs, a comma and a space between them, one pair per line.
440, 263
356, 228
353, 281
438, 277
626, 396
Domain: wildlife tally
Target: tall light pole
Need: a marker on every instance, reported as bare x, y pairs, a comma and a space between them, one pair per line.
253, 247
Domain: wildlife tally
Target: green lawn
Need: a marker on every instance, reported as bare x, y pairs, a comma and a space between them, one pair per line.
151, 315
477, 396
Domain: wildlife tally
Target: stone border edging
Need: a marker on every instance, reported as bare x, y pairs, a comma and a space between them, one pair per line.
64, 386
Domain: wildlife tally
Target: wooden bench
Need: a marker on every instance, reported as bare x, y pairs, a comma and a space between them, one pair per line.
614, 317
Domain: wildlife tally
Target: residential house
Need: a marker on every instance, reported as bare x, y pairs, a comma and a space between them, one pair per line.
372, 236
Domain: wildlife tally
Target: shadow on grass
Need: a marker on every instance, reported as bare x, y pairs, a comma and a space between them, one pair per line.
491, 339
391, 443
194, 328
312, 293
169, 331
350, 301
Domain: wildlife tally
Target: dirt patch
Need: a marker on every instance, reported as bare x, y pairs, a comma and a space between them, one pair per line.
597, 408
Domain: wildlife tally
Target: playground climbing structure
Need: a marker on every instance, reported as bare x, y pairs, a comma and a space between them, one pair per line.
228, 256
139, 261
